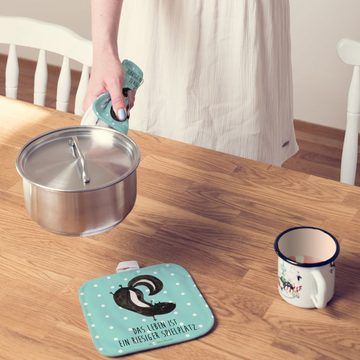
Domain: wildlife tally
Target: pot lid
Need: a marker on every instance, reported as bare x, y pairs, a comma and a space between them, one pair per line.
79, 158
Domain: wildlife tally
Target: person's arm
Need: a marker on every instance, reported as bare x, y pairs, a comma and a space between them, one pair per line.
106, 73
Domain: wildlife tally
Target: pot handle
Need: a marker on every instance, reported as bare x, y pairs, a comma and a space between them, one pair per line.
74, 143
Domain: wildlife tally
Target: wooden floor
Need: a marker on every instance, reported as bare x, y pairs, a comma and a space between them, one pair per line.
320, 146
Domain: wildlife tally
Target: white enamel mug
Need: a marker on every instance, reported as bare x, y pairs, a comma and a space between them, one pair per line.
306, 268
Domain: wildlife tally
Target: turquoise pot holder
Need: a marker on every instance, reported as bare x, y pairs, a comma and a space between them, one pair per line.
143, 309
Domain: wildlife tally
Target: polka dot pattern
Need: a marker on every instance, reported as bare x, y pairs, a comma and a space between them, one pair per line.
112, 326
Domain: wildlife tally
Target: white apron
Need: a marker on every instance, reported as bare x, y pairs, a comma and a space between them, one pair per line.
217, 73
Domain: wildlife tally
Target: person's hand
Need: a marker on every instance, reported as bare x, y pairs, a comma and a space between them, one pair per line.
107, 75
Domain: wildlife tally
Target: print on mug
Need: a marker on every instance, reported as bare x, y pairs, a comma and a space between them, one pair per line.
290, 283
306, 268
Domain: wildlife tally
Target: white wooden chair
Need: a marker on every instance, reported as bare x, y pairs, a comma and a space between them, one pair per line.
18, 31
349, 53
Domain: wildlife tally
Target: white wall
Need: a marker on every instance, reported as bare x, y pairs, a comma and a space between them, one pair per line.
74, 14
320, 79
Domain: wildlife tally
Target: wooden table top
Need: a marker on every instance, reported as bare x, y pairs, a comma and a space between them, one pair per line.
216, 215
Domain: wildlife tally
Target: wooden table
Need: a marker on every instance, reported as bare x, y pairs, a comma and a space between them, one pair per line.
216, 215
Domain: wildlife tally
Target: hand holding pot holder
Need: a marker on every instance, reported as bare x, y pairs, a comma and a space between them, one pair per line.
141, 309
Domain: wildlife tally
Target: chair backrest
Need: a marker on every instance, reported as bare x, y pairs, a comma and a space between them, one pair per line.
349, 52
18, 31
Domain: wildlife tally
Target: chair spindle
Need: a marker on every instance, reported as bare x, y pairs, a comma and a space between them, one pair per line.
12, 73
63, 86
81, 91
40, 80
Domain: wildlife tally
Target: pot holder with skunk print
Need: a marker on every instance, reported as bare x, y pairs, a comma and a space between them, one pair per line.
143, 309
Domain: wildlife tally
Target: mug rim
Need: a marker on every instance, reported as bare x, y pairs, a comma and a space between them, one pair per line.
296, 263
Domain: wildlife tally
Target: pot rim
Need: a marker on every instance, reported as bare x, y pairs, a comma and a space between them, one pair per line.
116, 181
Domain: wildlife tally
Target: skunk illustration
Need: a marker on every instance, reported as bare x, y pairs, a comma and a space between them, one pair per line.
132, 299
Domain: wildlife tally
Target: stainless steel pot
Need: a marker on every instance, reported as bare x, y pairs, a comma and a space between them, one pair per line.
79, 180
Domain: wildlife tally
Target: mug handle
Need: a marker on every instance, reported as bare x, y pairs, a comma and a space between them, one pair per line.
319, 298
